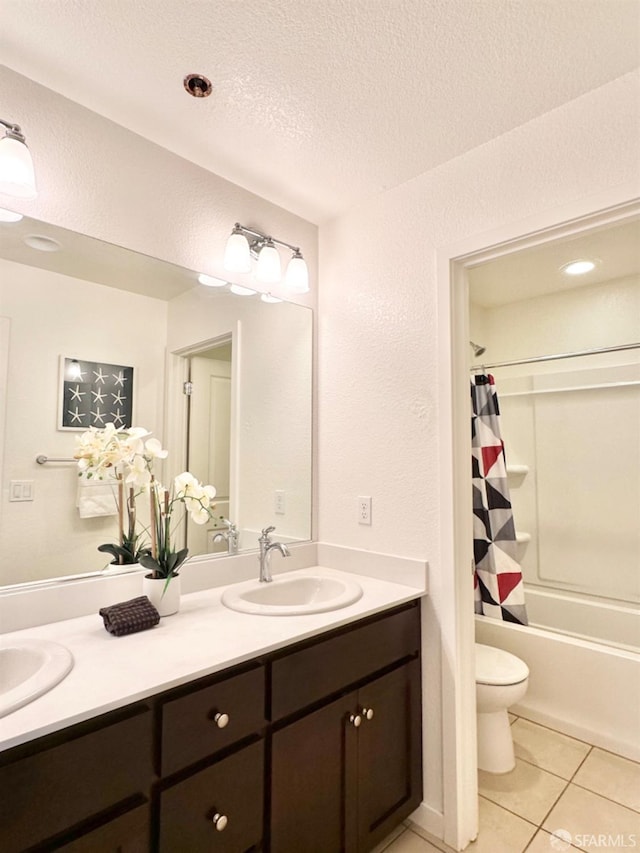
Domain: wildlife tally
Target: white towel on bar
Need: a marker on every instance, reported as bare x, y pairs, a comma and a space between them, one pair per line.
96, 498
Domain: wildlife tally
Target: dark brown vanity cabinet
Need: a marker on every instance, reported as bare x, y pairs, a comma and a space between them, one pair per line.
345, 773
88, 785
312, 749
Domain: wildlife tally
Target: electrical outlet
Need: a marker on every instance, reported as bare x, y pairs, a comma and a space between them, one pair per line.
279, 502
364, 510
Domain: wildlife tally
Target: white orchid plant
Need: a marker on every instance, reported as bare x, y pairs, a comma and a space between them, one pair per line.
128, 457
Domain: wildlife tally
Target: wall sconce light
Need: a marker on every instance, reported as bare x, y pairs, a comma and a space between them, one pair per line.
17, 176
245, 244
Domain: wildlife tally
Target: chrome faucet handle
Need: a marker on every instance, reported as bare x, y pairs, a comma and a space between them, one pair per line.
267, 530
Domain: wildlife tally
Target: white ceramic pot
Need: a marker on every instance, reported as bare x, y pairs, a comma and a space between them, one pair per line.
165, 598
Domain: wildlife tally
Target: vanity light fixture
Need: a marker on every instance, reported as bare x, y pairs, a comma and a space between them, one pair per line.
211, 280
17, 175
269, 298
579, 267
246, 243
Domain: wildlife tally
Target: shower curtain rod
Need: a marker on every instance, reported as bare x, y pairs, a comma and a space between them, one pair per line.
556, 357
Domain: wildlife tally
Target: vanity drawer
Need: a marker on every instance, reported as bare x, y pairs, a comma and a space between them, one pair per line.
58, 786
190, 730
328, 666
233, 789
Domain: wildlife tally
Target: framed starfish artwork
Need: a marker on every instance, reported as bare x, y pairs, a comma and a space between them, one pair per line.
94, 393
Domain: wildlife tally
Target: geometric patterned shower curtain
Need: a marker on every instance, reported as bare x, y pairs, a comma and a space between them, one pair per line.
498, 585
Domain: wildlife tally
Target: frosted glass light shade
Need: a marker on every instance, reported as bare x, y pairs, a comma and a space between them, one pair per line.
269, 270
17, 176
297, 275
237, 256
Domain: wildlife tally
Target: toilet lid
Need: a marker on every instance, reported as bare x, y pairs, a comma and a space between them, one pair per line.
495, 666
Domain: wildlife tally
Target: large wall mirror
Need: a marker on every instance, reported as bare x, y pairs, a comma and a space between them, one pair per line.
246, 427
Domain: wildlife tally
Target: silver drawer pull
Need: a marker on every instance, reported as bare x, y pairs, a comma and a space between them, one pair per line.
220, 821
221, 721
367, 713
355, 720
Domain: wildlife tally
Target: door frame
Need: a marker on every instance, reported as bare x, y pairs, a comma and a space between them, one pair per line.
460, 786
176, 424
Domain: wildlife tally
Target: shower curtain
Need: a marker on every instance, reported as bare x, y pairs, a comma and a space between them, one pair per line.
498, 586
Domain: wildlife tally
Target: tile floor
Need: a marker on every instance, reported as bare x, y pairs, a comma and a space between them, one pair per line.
559, 783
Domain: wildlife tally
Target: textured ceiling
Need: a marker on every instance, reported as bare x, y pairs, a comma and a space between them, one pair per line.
318, 104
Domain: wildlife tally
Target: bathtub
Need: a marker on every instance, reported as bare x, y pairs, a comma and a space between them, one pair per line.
577, 686
585, 617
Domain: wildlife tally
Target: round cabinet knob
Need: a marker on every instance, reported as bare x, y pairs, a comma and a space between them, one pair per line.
221, 721
367, 713
220, 821
355, 720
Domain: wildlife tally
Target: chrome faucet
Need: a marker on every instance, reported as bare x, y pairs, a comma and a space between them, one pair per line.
266, 547
230, 536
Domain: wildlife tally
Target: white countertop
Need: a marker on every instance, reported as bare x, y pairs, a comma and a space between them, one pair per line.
203, 638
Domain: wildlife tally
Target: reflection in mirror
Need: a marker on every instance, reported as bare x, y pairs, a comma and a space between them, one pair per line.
245, 428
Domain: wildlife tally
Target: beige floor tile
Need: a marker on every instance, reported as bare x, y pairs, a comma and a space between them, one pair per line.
512, 718
612, 776
409, 842
387, 841
500, 830
595, 823
544, 842
528, 791
547, 749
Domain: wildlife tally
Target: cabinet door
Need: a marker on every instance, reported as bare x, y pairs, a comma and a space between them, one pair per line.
218, 809
389, 753
313, 786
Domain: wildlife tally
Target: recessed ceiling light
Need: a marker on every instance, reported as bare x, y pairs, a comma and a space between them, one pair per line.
579, 267
239, 290
9, 215
197, 85
41, 243
211, 280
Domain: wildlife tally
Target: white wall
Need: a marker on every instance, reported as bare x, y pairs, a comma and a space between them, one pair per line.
53, 315
381, 329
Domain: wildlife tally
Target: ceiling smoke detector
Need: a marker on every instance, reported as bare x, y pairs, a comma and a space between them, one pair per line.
197, 85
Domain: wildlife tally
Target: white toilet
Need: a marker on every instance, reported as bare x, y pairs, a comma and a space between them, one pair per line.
501, 681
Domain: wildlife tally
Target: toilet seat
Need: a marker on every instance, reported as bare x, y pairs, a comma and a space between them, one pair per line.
497, 667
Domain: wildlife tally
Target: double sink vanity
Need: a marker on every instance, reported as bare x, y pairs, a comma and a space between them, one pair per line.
282, 717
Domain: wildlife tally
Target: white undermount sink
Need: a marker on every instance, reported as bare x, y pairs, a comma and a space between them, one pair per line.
291, 595
29, 668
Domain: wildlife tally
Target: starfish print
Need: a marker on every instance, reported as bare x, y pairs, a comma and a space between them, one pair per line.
100, 376
98, 396
77, 394
118, 399
117, 417
120, 379
75, 416
98, 417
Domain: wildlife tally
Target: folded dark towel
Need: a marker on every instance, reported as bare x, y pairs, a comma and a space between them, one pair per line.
127, 617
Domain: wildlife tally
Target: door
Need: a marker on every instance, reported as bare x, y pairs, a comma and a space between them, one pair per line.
389, 753
313, 785
210, 440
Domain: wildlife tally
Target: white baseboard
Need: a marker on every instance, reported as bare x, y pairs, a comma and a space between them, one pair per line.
428, 819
